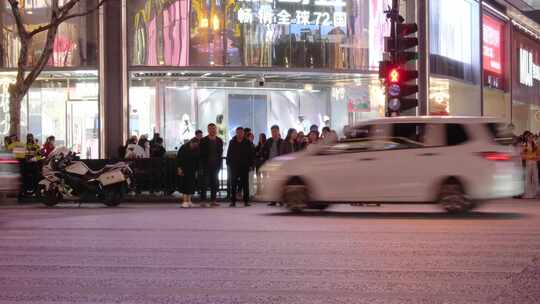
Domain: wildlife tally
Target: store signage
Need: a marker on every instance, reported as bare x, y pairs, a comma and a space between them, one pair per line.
492, 38
302, 12
528, 70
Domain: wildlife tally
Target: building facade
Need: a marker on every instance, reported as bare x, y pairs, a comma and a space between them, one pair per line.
173, 66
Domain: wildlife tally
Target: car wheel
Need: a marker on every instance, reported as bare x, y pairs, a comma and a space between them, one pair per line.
453, 198
295, 195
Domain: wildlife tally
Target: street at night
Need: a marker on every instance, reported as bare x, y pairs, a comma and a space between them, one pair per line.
159, 253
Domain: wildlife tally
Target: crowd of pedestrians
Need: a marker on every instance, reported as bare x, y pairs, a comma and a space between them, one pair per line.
199, 161
136, 148
29, 150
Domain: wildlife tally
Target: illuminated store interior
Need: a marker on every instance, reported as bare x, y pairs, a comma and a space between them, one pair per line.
175, 104
64, 104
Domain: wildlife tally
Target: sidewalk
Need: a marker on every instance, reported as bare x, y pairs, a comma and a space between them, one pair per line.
144, 197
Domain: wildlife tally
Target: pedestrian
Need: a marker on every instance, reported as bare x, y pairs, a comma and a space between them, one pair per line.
251, 138
325, 133
289, 145
330, 138
259, 160
7, 142
530, 156
145, 145
33, 151
199, 135
157, 149
240, 158
301, 141
133, 150
248, 133
313, 138
187, 163
154, 139
48, 147
272, 146
211, 154
16, 147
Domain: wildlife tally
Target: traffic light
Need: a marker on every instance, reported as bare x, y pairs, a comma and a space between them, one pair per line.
398, 78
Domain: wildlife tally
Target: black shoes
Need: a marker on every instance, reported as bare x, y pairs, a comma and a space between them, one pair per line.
232, 205
247, 204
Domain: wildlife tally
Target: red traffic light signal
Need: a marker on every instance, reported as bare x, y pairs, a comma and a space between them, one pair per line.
398, 75
394, 75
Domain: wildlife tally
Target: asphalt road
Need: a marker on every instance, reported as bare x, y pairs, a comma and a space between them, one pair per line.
158, 253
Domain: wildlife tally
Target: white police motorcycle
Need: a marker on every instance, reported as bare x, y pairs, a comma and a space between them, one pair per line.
66, 178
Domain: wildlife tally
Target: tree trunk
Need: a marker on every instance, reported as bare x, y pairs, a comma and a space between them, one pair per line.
15, 102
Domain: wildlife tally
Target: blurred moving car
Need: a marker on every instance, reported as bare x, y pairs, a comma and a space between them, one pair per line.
456, 162
10, 176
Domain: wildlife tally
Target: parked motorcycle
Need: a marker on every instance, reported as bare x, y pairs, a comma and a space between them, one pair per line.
66, 178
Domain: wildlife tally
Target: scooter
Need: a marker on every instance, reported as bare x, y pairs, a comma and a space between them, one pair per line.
66, 178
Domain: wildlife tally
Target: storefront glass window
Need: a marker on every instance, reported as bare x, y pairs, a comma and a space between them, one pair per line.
64, 105
75, 44
328, 34
176, 108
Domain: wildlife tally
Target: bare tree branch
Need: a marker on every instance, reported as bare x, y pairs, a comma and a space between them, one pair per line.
64, 16
14, 4
24, 80
25, 40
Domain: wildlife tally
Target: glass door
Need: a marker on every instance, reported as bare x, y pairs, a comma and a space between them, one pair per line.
248, 111
83, 127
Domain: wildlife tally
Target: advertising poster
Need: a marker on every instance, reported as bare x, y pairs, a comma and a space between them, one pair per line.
358, 100
493, 30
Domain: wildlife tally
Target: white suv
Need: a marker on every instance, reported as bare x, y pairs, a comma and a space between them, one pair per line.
453, 161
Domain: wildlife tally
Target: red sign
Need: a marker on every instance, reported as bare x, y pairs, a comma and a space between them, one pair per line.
493, 30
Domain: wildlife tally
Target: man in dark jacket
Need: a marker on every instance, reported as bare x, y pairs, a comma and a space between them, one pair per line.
272, 146
240, 158
211, 152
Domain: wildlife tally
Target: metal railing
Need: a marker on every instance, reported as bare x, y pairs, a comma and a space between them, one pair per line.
153, 175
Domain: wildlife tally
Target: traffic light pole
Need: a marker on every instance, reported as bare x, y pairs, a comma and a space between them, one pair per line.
423, 56
393, 31
393, 69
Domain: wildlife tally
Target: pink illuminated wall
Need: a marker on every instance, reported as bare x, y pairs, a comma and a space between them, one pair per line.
175, 45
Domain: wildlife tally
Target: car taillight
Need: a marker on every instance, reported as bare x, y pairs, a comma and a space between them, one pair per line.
9, 161
496, 156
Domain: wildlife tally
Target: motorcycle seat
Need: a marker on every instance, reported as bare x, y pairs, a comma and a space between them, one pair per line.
103, 170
